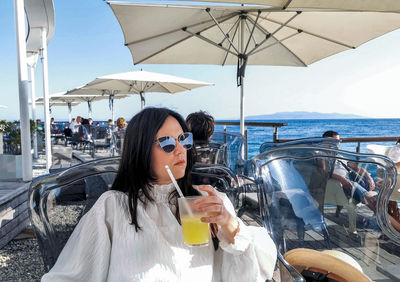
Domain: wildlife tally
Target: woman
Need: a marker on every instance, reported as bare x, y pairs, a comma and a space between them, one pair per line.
121, 124
132, 233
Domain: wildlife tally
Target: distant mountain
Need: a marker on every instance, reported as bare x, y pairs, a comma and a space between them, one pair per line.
304, 115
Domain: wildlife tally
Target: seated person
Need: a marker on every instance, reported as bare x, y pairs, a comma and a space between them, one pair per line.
201, 125
394, 154
84, 131
133, 232
121, 125
360, 191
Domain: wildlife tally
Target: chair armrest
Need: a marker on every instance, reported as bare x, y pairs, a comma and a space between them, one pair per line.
288, 272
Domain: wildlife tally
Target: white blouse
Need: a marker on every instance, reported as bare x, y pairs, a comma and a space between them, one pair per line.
105, 247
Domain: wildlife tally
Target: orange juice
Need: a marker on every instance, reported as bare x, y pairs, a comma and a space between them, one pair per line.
195, 232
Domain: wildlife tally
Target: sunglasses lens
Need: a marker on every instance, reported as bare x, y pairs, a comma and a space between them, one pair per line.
167, 143
186, 140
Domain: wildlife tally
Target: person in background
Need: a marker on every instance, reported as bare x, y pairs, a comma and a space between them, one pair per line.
110, 127
53, 127
201, 124
350, 187
39, 125
74, 125
394, 154
90, 120
133, 232
121, 124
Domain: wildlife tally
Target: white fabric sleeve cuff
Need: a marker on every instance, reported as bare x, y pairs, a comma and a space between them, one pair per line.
242, 240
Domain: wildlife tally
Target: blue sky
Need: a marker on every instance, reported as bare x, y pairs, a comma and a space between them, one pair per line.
88, 42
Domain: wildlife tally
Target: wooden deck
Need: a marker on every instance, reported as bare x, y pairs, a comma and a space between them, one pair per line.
377, 256
13, 209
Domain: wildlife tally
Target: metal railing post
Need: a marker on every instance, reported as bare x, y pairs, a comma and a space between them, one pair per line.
246, 146
275, 134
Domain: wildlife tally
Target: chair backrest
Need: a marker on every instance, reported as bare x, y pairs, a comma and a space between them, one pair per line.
292, 191
232, 144
117, 142
57, 202
99, 132
221, 177
316, 141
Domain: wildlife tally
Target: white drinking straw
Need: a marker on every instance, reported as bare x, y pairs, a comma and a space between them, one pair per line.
185, 203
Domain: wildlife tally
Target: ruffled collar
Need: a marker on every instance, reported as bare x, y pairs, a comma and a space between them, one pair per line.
161, 193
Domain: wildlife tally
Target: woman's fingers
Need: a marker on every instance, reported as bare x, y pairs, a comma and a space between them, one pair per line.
213, 219
208, 189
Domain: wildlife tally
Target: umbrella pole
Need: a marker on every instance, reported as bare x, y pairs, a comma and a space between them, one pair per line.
112, 108
142, 99
69, 112
89, 103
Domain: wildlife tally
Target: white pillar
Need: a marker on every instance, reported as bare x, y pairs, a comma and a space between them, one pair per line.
23, 85
46, 99
33, 98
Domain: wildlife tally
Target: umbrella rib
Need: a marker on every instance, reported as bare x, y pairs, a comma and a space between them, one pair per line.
230, 30
287, 4
233, 38
252, 31
210, 41
219, 27
315, 35
223, 19
252, 37
268, 35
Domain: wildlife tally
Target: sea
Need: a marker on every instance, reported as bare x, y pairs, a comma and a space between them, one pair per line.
301, 128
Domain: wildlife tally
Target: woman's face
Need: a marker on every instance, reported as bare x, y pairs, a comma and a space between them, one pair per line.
175, 160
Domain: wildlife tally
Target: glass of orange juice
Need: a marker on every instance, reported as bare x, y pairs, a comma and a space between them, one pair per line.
195, 232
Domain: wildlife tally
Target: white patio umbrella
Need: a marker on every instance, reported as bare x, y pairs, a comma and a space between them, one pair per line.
353, 5
91, 95
53, 101
140, 82
4, 107
241, 35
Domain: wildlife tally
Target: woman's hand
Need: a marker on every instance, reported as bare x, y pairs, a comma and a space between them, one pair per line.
213, 206
218, 214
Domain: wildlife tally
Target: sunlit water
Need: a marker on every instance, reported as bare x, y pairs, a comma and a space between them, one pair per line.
315, 128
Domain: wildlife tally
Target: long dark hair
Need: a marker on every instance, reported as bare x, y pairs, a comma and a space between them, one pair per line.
135, 169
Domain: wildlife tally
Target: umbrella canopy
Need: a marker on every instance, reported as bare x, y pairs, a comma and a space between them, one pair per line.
2, 106
90, 95
353, 5
140, 82
53, 101
241, 35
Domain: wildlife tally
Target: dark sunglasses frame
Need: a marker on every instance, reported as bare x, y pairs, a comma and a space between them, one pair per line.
166, 141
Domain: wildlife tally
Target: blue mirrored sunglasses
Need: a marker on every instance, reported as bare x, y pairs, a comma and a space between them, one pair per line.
168, 143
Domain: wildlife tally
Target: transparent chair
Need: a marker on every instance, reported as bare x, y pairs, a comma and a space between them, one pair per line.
58, 201
232, 146
99, 138
292, 194
117, 142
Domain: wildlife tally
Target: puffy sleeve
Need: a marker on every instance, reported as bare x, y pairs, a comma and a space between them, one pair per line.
86, 255
253, 255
